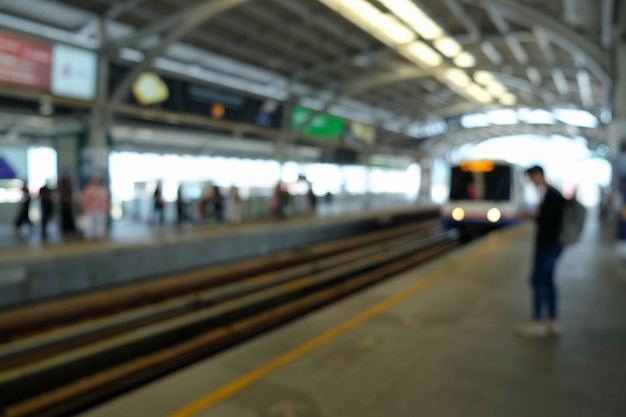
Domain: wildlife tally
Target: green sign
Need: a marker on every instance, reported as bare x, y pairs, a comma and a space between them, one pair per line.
323, 125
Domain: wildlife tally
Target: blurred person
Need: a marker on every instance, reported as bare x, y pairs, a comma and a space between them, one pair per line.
66, 197
95, 207
158, 203
218, 205
267, 114
547, 250
181, 206
233, 209
280, 201
312, 200
47, 207
207, 200
328, 198
23, 215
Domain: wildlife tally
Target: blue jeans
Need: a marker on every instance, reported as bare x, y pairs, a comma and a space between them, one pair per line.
544, 294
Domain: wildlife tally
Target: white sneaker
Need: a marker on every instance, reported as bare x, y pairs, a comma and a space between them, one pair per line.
554, 328
533, 329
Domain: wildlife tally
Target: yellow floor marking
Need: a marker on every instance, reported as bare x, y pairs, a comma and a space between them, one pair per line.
253, 376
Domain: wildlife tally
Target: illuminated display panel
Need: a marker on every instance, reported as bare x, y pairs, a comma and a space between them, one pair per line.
74, 72
58, 69
477, 166
24, 63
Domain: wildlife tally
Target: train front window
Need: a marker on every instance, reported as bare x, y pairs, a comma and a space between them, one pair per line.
494, 185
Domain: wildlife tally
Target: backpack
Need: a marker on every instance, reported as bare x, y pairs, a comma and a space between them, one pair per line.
572, 221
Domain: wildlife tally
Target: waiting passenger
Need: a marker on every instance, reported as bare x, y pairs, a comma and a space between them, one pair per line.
207, 200
218, 205
546, 253
233, 209
95, 207
66, 197
280, 201
47, 208
159, 204
181, 207
312, 200
23, 215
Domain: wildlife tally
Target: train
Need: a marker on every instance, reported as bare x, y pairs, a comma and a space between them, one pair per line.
484, 195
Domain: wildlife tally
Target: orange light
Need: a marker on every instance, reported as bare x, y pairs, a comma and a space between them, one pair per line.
477, 166
217, 110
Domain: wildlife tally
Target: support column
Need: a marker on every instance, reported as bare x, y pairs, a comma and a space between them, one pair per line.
94, 155
426, 174
369, 194
617, 135
283, 141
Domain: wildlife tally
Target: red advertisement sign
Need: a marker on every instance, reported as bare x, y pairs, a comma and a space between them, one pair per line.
24, 63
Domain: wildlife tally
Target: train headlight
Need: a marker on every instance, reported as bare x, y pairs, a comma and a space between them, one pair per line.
458, 214
493, 215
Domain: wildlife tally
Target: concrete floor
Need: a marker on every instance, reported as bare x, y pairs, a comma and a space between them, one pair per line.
435, 341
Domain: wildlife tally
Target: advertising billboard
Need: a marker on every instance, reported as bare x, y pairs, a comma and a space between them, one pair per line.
168, 93
24, 63
58, 69
74, 72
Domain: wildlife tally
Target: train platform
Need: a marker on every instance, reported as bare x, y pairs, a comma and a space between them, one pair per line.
128, 230
32, 270
436, 340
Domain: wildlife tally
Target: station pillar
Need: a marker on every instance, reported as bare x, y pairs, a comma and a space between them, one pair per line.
426, 180
617, 135
94, 152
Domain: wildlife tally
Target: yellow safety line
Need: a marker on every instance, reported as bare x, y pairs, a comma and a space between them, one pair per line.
253, 376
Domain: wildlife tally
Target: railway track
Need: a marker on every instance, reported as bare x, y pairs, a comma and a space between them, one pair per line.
61, 356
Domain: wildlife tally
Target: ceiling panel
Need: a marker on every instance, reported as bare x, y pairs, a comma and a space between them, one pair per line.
306, 43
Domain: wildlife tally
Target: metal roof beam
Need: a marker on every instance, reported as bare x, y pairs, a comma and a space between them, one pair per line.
584, 87
597, 59
121, 8
470, 25
190, 19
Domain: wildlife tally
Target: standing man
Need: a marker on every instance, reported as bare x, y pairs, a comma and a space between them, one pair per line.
546, 253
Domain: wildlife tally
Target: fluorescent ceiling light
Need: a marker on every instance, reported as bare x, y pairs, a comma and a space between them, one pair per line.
496, 89
503, 117
536, 116
457, 77
421, 54
415, 18
381, 25
448, 46
484, 77
478, 93
574, 117
507, 99
464, 60
474, 120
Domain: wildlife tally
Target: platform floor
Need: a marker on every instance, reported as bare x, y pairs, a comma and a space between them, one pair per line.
435, 341
128, 230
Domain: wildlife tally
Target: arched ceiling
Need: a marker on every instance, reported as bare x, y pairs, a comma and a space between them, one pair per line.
545, 53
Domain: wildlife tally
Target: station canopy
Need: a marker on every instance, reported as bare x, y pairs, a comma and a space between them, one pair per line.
423, 75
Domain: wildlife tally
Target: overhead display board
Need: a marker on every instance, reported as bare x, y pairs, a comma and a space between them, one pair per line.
321, 125
168, 93
359, 135
24, 63
58, 69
